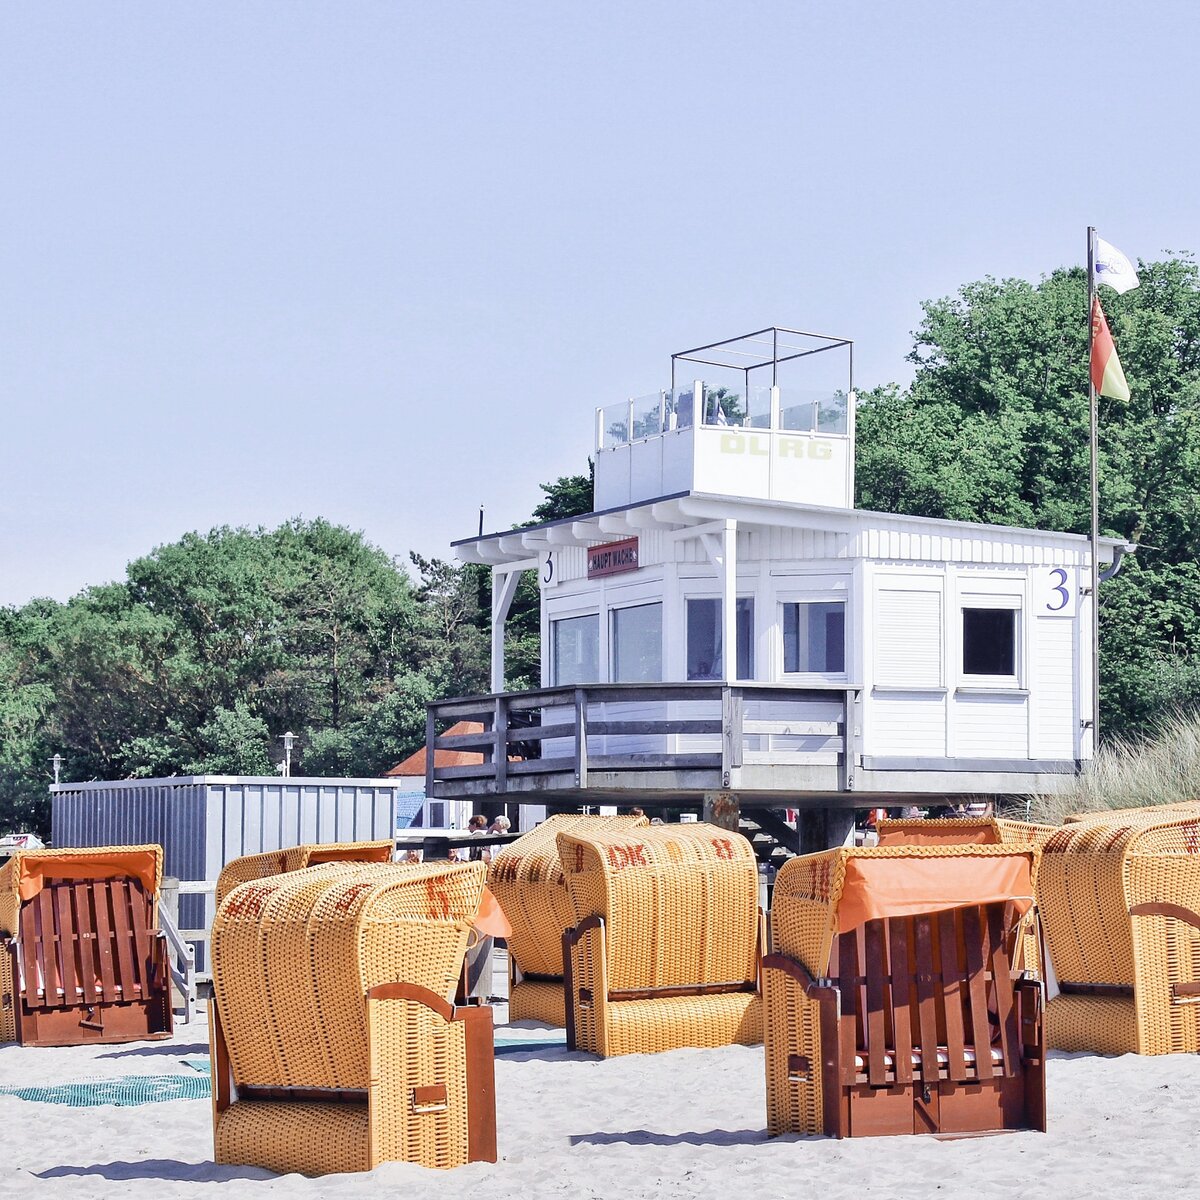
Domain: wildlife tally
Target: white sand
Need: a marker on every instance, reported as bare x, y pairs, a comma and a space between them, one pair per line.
688, 1123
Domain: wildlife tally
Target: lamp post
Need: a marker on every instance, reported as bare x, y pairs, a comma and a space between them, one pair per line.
288, 740
57, 762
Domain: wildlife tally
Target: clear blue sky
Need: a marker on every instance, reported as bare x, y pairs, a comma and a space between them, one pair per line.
378, 262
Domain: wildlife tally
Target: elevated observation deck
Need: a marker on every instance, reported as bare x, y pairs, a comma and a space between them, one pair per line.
738, 432
678, 743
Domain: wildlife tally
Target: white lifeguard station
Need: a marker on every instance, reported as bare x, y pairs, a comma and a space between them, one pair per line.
876, 658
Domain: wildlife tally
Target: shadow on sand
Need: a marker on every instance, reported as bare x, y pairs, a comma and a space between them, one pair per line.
647, 1137
165, 1048
545, 1051
160, 1168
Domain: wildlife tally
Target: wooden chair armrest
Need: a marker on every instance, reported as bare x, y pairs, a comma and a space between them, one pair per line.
571, 994
572, 936
1031, 996
797, 971
805, 1061
1187, 915
479, 1062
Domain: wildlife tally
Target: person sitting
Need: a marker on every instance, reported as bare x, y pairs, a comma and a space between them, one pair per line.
477, 824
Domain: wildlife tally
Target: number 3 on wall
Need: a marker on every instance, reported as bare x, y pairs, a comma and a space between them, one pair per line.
1058, 593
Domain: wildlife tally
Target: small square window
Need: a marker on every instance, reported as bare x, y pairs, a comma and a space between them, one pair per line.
990, 641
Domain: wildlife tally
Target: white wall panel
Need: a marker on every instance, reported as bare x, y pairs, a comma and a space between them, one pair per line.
908, 724
1053, 719
990, 726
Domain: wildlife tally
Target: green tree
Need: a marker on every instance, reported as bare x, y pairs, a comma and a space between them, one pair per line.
210, 649
567, 496
238, 740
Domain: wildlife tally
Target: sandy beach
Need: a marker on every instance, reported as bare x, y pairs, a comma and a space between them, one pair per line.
688, 1123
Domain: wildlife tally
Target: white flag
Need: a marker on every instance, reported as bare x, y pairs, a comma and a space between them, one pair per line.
1113, 268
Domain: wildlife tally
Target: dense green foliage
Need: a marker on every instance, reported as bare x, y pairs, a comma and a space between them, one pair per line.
995, 428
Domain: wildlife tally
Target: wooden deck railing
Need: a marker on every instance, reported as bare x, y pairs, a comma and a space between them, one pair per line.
580, 730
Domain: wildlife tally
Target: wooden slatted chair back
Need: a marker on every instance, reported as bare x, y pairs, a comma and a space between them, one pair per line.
87, 941
894, 1003
83, 958
928, 997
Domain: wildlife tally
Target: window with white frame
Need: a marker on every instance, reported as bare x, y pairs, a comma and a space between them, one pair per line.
989, 643
635, 634
704, 633
575, 645
814, 637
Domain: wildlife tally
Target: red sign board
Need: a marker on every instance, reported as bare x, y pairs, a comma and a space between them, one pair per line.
613, 558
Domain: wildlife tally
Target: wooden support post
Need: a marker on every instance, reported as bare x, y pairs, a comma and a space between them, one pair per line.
430, 735
850, 740
731, 735
500, 729
723, 809
581, 736
823, 828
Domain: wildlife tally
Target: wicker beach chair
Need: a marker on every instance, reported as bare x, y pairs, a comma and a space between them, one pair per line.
81, 956
890, 1001
958, 831
1149, 812
668, 939
1120, 900
296, 858
527, 879
334, 1043
984, 831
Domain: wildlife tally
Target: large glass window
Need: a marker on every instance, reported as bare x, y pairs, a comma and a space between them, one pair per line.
814, 637
576, 650
704, 658
637, 644
990, 642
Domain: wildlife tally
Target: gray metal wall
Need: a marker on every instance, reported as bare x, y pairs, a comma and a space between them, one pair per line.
170, 812
202, 822
247, 816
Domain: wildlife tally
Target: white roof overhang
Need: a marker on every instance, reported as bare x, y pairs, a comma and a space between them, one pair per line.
692, 514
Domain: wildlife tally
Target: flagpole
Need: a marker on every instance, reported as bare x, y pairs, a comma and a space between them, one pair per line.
1093, 441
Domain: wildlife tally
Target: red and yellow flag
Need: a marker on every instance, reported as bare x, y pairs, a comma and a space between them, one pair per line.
1107, 377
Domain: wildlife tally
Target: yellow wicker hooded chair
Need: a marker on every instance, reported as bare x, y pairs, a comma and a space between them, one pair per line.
890, 1001
296, 858
1153, 812
527, 879
668, 939
81, 956
334, 1044
1120, 900
953, 831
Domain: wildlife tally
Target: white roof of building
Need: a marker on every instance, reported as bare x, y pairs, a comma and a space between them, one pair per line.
691, 513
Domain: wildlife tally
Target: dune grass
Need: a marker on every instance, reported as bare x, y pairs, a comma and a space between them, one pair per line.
1163, 770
